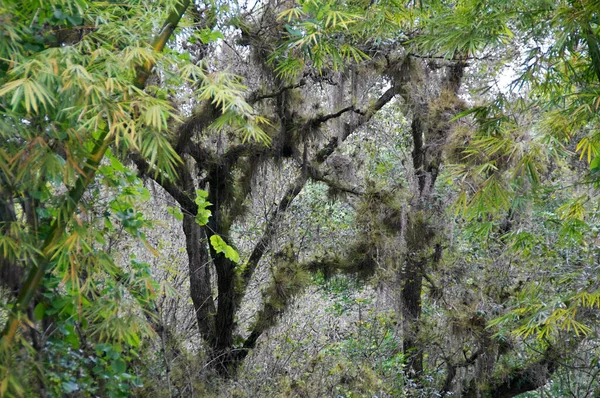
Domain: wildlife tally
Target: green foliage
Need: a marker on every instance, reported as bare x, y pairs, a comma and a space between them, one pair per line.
329, 34
70, 78
101, 370
466, 28
522, 149
207, 36
226, 92
203, 213
543, 319
74, 80
220, 246
175, 212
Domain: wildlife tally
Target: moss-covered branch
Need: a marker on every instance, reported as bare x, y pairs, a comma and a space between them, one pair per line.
291, 277
521, 380
259, 96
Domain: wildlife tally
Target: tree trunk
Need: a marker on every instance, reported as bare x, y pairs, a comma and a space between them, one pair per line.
225, 313
199, 265
199, 269
417, 241
410, 299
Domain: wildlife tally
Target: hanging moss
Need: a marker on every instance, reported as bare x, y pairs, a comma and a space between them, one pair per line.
361, 260
327, 266
457, 143
289, 279
419, 232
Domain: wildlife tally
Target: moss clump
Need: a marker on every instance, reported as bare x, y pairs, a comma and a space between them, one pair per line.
419, 232
289, 279
457, 143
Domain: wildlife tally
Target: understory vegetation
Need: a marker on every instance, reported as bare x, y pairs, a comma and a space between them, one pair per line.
305, 198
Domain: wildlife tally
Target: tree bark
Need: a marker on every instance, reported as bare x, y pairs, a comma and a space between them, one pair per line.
428, 137
520, 381
412, 284
411, 275
199, 265
10, 272
199, 271
226, 303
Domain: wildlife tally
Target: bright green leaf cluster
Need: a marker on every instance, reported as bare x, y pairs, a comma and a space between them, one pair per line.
221, 246
203, 213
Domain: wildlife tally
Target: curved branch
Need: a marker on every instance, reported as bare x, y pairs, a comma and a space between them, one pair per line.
175, 191
272, 225
316, 175
201, 119
530, 378
255, 96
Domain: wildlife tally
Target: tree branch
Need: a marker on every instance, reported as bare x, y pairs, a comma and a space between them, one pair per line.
255, 96
319, 120
272, 224
366, 114
201, 155
317, 175
201, 119
160, 40
527, 379
521, 380
176, 192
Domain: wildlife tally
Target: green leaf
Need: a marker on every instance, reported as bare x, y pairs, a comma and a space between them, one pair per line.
58, 14
118, 366
207, 35
175, 212
75, 20
203, 213
70, 387
595, 165
221, 247
116, 164
292, 31
39, 311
